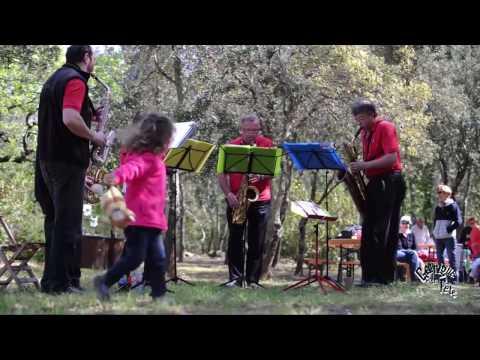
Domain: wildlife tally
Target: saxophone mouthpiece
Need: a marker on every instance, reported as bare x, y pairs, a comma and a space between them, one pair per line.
358, 132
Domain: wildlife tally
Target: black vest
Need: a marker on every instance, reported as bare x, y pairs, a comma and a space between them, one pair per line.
55, 141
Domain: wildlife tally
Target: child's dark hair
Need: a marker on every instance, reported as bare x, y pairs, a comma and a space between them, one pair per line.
152, 132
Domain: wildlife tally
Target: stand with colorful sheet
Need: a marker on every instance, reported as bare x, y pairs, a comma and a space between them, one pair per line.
315, 156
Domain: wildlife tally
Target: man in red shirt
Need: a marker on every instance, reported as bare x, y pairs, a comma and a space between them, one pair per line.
64, 117
474, 245
385, 193
258, 211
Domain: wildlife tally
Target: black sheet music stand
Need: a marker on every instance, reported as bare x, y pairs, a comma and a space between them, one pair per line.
248, 160
191, 157
316, 156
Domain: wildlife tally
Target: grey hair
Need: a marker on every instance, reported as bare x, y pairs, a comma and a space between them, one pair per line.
250, 118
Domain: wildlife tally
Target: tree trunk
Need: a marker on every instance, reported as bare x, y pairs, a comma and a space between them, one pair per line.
171, 223
301, 247
209, 246
275, 226
302, 228
444, 170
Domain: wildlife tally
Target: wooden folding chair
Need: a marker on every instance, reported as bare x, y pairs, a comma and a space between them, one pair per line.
15, 257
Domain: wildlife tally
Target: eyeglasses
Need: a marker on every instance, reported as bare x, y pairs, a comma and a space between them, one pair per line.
404, 223
441, 192
251, 130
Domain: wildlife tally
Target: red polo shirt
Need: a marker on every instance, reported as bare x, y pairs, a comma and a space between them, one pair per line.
383, 140
474, 242
74, 94
263, 186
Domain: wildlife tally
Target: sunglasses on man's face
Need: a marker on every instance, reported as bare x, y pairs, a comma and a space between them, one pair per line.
404, 223
441, 192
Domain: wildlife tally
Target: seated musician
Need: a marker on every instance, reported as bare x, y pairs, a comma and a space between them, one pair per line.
258, 212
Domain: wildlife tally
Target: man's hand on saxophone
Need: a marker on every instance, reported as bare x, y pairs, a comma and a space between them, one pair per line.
255, 178
232, 200
98, 138
382, 162
358, 166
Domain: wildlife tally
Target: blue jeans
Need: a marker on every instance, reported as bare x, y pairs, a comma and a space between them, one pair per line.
143, 244
411, 258
449, 244
475, 273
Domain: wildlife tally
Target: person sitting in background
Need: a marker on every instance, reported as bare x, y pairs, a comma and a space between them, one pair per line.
406, 247
462, 248
474, 245
422, 238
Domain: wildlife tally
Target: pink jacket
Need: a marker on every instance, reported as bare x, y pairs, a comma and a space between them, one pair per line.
146, 178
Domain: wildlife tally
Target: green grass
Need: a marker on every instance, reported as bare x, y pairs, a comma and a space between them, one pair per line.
206, 297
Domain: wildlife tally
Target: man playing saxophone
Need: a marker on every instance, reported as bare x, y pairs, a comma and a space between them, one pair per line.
64, 116
257, 214
385, 193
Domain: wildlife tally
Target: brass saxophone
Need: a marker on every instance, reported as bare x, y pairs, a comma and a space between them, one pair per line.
355, 182
246, 195
99, 154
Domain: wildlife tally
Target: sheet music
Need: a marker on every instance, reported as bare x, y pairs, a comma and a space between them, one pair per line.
183, 131
308, 209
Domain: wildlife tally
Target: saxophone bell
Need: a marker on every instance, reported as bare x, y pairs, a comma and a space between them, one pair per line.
252, 194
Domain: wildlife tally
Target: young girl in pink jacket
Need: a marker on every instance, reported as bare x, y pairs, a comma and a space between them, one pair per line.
143, 170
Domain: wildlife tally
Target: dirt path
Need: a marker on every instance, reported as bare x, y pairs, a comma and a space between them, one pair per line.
207, 269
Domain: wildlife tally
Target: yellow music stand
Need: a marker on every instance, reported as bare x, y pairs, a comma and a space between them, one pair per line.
191, 156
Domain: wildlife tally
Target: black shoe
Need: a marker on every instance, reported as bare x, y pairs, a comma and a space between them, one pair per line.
72, 290
233, 284
79, 288
101, 288
363, 284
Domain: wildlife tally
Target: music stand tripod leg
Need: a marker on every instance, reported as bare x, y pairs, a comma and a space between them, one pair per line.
175, 278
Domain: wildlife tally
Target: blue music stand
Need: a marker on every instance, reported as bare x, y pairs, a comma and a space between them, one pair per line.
316, 156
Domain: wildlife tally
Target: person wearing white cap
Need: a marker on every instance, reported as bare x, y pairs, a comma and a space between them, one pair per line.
447, 219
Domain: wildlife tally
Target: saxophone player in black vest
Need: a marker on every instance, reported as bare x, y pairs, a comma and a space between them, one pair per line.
384, 194
64, 136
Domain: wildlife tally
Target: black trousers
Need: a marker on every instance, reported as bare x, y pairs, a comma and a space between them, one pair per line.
257, 218
143, 244
380, 227
59, 190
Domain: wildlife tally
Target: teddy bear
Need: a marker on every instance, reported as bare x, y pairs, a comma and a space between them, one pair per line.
113, 205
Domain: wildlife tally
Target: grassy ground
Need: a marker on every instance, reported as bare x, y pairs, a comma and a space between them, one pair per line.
206, 297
